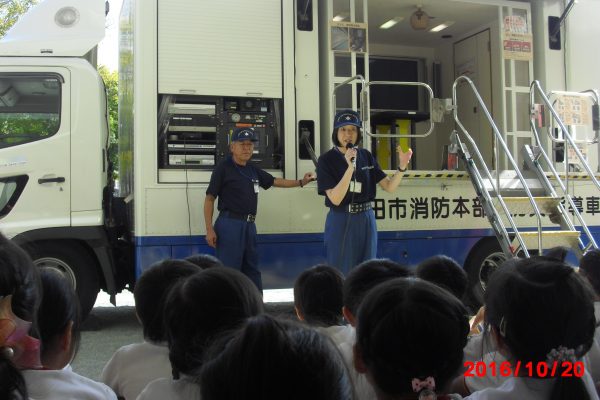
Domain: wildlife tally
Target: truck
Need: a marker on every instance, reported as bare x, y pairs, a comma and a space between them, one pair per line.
190, 71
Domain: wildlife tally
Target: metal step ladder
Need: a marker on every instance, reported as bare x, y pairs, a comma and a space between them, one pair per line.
536, 197
537, 160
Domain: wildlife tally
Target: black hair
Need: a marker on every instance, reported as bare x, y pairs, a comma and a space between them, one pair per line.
150, 293
559, 252
204, 260
589, 266
19, 278
538, 304
409, 328
318, 295
366, 276
269, 359
443, 271
59, 307
202, 307
334, 136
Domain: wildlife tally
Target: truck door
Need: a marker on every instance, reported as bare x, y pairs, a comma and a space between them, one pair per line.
472, 58
34, 149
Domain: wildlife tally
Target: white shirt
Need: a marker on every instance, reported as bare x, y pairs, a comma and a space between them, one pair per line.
168, 388
339, 333
363, 389
64, 384
134, 366
592, 358
527, 388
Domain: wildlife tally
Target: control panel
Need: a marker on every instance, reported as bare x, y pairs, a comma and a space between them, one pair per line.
195, 131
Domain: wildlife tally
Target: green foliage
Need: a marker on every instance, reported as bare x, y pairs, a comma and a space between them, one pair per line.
111, 82
11, 11
25, 127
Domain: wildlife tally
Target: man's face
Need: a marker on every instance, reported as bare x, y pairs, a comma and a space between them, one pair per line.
242, 150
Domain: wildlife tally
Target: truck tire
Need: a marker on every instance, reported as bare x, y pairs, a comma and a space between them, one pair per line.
74, 262
483, 260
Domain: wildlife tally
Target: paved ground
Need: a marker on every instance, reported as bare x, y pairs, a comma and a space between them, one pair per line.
107, 328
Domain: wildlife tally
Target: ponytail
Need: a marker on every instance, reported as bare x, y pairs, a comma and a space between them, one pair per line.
566, 388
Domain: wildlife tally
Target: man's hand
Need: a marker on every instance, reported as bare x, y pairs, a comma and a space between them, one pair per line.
308, 177
211, 238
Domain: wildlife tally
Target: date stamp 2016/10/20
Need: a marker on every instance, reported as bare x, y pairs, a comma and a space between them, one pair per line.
564, 369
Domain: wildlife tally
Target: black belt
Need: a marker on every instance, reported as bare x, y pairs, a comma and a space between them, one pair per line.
355, 208
243, 217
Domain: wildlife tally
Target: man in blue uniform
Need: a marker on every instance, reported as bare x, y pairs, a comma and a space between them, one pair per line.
236, 183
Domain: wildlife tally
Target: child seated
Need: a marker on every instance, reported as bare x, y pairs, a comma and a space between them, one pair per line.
318, 300
358, 283
19, 302
410, 338
541, 314
133, 366
59, 326
198, 310
589, 267
443, 271
204, 261
271, 359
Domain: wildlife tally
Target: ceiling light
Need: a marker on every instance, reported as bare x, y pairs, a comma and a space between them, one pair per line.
341, 16
391, 22
441, 27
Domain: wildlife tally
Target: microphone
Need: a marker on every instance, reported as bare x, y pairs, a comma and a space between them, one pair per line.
353, 159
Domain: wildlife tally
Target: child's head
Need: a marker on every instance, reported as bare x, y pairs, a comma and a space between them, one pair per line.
151, 291
365, 277
202, 307
538, 305
274, 359
204, 260
445, 272
318, 295
408, 330
559, 253
19, 279
589, 266
59, 320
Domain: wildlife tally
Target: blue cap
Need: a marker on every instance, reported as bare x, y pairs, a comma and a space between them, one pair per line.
240, 134
346, 117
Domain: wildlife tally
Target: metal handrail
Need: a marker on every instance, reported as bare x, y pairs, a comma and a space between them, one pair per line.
364, 94
553, 170
592, 93
535, 85
500, 140
345, 82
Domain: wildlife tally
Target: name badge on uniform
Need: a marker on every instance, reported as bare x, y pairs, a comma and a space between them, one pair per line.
355, 186
255, 185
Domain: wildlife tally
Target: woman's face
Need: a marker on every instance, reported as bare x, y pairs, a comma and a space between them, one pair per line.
347, 134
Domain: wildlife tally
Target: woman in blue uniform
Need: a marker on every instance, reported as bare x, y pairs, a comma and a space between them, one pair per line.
347, 176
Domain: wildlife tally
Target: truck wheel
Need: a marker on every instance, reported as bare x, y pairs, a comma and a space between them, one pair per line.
76, 265
483, 260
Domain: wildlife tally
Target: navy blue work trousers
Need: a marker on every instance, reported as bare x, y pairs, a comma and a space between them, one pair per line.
350, 238
236, 247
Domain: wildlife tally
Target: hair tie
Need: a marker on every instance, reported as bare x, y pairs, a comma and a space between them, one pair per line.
7, 352
561, 354
427, 383
15, 341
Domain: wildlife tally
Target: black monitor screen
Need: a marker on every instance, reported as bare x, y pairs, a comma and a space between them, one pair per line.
389, 97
